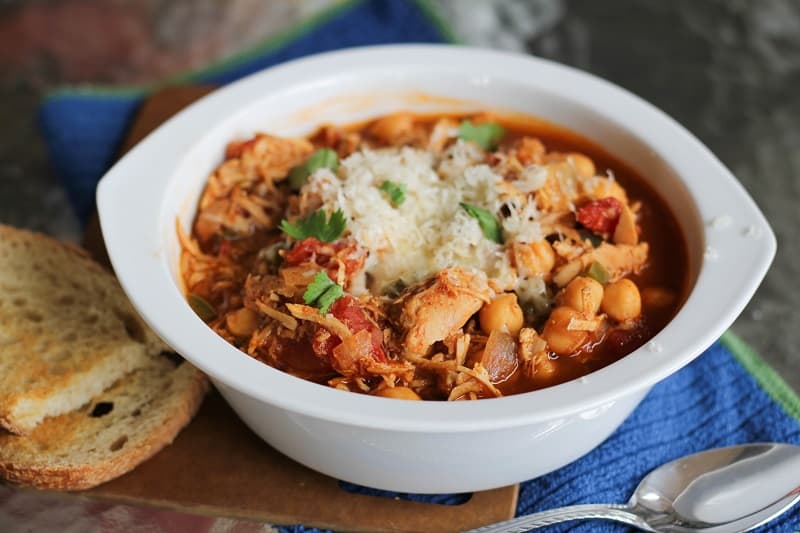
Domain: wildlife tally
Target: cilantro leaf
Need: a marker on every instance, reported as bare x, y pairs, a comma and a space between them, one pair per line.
317, 287
487, 222
333, 228
395, 191
295, 231
322, 292
484, 135
322, 158
316, 225
328, 297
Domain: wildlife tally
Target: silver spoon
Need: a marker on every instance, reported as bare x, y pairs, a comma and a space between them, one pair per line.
724, 490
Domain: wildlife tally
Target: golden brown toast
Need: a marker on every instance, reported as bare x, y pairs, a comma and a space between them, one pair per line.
67, 331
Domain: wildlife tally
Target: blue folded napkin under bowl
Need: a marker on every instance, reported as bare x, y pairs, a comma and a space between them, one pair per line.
726, 396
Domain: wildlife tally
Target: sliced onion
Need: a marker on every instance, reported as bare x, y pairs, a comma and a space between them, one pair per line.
345, 357
500, 355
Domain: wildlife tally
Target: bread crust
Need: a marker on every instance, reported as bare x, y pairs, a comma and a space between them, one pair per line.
42, 473
83, 401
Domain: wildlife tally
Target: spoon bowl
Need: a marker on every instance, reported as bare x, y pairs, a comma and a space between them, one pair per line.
724, 490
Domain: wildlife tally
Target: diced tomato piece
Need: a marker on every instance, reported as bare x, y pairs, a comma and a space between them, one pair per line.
349, 311
600, 216
323, 254
304, 251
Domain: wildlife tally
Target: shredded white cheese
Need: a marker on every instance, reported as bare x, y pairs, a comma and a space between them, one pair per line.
429, 231
522, 224
532, 179
533, 291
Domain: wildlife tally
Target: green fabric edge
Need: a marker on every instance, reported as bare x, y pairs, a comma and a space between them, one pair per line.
769, 380
435, 17
303, 27
306, 26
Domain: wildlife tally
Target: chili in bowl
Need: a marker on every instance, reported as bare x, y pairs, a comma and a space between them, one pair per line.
311, 311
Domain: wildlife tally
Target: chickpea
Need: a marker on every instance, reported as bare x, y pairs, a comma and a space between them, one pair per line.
657, 297
398, 393
560, 339
584, 167
503, 310
621, 300
584, 295
242, 322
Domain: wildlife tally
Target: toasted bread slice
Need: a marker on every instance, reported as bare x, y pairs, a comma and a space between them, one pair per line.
67, 331
117, 430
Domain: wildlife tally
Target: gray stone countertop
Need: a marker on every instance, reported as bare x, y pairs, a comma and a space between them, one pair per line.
727, 70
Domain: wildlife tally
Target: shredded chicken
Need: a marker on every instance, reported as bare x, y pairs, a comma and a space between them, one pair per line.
619, 260
286, 321
440, 306
271, 158
533, 354
304, 312
473, 380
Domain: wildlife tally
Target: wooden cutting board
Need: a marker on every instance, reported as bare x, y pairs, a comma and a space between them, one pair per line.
218, 467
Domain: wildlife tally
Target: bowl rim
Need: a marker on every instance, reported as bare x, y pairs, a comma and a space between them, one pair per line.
128, 191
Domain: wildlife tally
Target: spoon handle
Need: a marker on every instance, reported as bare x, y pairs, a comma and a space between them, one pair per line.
618, 513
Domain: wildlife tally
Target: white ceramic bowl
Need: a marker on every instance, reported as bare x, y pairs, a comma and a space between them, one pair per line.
430, 447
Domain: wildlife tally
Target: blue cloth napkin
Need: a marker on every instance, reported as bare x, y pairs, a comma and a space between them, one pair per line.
727, 396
